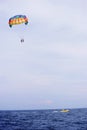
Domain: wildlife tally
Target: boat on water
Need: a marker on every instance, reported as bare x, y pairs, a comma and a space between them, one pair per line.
64, 110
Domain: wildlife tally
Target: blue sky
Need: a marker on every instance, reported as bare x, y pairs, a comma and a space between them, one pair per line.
49, 70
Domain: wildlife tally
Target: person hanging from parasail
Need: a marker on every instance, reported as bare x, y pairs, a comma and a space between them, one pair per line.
16, 20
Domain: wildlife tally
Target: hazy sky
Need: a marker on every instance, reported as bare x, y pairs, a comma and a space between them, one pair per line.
48, 70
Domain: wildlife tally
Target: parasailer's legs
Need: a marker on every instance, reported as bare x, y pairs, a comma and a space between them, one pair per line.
22, 40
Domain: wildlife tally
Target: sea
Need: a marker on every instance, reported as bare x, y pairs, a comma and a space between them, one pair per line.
74, 119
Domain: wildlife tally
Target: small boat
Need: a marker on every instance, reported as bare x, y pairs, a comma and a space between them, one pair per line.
64, 110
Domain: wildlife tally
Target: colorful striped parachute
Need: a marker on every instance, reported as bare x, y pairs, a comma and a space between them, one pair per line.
18, 19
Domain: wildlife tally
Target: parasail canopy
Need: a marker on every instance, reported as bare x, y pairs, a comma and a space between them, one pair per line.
18, 19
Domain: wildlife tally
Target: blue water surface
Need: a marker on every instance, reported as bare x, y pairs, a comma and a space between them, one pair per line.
75, 119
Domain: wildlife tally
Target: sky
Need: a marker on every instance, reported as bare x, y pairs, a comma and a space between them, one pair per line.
48, 70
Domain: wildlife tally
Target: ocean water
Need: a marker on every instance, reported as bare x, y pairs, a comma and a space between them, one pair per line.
75, 119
